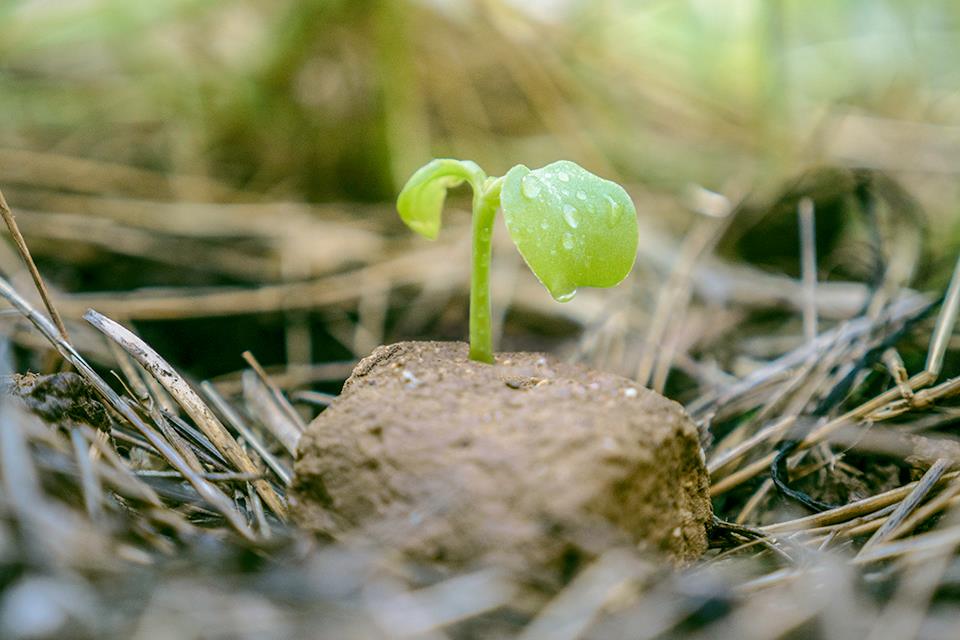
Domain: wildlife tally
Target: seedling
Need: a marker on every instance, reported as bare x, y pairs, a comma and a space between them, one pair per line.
572, 228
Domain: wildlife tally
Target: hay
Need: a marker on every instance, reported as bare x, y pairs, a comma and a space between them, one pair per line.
139, 502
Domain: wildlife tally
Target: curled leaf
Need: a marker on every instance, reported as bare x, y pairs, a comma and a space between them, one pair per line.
573, 229
420, 203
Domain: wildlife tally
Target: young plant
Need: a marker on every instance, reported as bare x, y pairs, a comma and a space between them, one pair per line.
572, 228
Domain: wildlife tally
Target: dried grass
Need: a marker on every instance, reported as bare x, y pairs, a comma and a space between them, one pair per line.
163, 515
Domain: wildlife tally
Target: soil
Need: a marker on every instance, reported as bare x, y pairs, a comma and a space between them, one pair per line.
61, 397
528, 462
854, 481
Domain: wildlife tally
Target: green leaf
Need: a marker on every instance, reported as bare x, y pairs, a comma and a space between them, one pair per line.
420, 202
573, 229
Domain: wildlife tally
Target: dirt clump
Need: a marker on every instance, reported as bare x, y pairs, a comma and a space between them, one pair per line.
457, 462
61, 397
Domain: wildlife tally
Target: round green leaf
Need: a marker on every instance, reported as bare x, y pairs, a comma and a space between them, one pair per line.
574, 229
420, 202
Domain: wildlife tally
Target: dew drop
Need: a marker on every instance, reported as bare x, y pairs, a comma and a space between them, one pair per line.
570, 215
566, 296
567, 241
563, 177
544, 225
581, 195
530, 186
615, 211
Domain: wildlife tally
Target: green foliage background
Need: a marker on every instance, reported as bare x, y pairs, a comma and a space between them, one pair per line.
333, 99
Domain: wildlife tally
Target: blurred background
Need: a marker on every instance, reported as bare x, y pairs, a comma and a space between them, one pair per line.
190, 144
220, 176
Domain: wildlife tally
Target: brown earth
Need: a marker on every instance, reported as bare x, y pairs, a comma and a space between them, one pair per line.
456, 462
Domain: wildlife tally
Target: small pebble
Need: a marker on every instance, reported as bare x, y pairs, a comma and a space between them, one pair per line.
412, 381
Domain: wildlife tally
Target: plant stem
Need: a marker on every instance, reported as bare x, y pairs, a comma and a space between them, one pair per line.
486, 200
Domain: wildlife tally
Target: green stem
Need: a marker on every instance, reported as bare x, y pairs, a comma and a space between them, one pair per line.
486, 200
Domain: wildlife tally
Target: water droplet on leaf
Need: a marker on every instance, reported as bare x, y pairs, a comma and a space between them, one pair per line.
567, 241
615, 211
530, 186
563, 177
570, 215
566, 296
581, 195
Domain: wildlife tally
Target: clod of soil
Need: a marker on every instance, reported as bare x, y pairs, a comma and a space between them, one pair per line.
522, 462
61, 397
